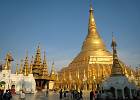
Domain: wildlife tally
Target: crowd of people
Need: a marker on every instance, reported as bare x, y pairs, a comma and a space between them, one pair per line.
73, 94
5, 95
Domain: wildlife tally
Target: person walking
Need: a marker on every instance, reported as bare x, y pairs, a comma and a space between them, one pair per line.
46, 93
91, 95
81, 94
22, 95
65, 93
60, 92
1, 94
7, 95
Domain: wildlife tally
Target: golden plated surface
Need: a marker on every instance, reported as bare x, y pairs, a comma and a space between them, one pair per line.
92, 65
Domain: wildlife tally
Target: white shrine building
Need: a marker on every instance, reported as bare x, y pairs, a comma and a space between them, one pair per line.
22, 80
119, 85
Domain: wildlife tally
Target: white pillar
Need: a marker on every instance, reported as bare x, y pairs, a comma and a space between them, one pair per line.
116, 94
123, 93
131, 97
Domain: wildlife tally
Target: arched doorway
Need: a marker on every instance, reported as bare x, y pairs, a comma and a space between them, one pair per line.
127, 92
119, 94
112, 90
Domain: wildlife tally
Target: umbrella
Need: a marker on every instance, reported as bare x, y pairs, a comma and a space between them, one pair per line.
2, 82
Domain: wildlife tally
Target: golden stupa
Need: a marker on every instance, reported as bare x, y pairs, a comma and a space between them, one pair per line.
92, 65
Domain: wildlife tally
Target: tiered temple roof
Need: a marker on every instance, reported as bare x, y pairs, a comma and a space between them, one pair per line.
37, 66
39, 69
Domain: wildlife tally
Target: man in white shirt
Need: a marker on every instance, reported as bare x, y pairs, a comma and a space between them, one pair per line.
22, 95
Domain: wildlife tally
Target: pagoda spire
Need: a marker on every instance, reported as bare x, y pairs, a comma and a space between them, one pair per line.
53, 70
45, 66
52, 74
38, 56
17, 72
116, 67
45, 60
31, 65
21, 67
93, 40
26, 65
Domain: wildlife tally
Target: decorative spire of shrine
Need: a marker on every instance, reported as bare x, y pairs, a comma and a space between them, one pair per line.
45, 66
17, 72
26, 65
53, 70
52, 74
21, 67
31, 65
38, 56
116, 67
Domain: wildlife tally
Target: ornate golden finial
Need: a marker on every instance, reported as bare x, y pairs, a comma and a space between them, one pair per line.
93, 40
92, 24
21, 66
26, 65
17, 69
116, 67
91, 9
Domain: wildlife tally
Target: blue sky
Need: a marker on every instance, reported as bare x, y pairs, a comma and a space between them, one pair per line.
60, 26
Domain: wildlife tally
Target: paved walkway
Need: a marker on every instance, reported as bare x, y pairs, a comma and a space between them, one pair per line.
51, 96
